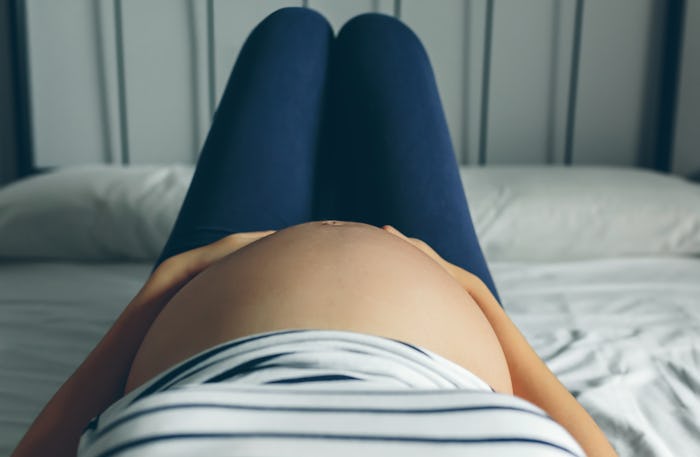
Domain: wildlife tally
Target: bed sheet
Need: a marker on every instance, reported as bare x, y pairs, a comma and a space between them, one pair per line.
622, 334
624, 337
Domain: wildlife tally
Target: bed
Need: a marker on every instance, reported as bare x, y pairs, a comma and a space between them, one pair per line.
599, 266
566, 120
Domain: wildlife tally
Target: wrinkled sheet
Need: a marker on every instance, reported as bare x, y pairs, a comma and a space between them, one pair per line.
624, 337
622, 334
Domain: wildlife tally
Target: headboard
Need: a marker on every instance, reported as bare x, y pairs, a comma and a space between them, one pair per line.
542, 81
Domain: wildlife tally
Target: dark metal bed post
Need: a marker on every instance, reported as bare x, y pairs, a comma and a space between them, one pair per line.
485, 84
121, 81
397, 9
668, 84
211, 60
573, 84
20, 76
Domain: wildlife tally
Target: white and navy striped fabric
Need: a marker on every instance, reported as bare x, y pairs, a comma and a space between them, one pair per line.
307, 392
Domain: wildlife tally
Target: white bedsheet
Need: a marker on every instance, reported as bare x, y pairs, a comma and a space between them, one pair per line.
623, 335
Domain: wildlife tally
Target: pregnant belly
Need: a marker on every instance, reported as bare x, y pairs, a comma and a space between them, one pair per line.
344, 276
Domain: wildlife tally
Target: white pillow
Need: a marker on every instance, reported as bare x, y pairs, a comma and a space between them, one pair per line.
540, 213
96, 212
553, 213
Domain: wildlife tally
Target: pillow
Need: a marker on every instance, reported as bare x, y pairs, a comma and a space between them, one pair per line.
528, 213
551, 213
97, 212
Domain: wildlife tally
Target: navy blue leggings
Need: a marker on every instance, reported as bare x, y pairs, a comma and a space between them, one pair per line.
313, 127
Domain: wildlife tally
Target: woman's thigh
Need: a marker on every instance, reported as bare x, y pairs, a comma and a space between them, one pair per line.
386, 154
256, 168
327, 275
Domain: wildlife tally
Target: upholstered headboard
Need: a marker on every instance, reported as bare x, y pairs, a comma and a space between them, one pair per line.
542, 81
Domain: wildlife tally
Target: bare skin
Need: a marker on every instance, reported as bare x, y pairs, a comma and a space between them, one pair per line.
327, 275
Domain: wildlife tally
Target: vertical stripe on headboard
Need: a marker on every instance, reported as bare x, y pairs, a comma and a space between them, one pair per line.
211, 58
573, 84
20, 88
668, 92
397, 9
485, 84
121, 78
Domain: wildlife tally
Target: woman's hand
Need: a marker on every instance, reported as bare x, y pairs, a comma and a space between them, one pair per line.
423, 246
466, 278
176, 271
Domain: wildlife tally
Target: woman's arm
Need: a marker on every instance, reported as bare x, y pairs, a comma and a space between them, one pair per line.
100, 379
531, 378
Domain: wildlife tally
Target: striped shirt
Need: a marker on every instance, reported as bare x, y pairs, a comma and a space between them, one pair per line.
308, 393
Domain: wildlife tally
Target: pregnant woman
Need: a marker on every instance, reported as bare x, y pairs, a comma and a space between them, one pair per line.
323, 291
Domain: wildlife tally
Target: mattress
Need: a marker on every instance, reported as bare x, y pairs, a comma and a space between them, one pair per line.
623, 334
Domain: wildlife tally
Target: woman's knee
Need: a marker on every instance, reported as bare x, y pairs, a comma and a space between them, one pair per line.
295, 19
379, 30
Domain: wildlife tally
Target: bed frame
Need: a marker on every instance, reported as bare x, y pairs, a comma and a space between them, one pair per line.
660, 109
